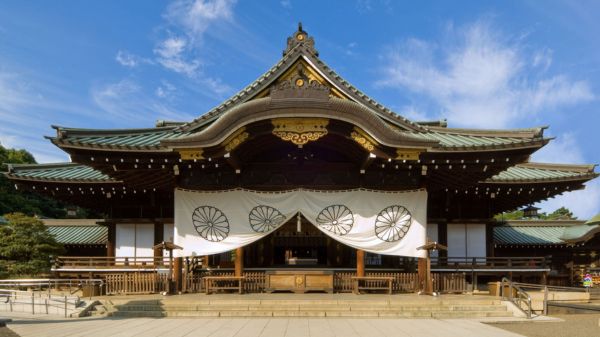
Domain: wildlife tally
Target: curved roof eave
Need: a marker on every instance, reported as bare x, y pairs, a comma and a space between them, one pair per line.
268, 108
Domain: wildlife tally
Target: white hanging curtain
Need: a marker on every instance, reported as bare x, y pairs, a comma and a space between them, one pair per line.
389, 223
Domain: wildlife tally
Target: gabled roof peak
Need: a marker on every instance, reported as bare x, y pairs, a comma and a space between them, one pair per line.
300, 39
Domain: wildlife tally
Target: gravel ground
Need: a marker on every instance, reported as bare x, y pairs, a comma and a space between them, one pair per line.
6, 332
581, 325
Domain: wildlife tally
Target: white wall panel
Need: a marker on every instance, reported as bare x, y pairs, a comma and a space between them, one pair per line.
457, 240
144, 240
134, 240
125, 240
476, 240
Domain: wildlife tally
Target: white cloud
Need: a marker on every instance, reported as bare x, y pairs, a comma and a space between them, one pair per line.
127, 59
171, 55
287, 4
166, 90
480, 79
128, 101
543, 58
583, 203
196, 16
190, 21
24, 113
563, 149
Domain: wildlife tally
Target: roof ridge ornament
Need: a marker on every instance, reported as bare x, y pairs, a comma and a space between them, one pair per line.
301, 39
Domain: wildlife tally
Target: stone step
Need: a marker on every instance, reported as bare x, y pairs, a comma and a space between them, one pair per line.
250, 302
316, 313
307, 308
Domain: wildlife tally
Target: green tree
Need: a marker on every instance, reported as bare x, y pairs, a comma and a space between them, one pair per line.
562, 213
26, 247
19, 201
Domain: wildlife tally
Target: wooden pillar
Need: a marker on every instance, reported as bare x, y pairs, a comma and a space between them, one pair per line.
158, 238
110, 243
360, 262
177, 266
424, 275
205, 261
239, 261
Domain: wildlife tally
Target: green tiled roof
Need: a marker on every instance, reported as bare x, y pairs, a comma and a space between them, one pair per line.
60, 172
465, 140
538, 172
140, 139
525, 235
80, 235
529, 172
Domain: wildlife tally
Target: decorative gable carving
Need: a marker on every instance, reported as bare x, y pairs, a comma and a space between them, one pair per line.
301, 38
299, 85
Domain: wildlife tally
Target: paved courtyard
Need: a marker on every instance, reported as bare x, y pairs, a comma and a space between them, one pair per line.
322, 327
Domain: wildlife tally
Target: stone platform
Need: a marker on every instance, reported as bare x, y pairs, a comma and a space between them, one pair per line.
304, 305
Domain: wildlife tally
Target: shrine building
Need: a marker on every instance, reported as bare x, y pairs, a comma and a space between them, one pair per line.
299, 169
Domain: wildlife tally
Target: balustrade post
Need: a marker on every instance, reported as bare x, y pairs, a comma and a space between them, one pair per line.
360, 263
239, 261
177, 264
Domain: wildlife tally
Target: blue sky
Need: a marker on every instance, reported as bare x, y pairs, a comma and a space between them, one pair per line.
482, 64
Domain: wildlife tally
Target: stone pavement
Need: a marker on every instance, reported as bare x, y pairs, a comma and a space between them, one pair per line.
267, 327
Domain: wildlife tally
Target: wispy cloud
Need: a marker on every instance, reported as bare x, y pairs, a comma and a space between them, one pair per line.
180, 51
165, 90
127, 59
479, 78
24, 112
287, 4
196, 16
583, 203
132, 105
171, 54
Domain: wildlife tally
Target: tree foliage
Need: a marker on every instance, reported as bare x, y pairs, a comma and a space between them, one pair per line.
561, 213
26, 247
24, 202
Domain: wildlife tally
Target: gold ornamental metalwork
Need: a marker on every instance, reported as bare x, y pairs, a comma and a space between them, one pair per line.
363, 140
236, 140
407, 154
300, 130
190, 154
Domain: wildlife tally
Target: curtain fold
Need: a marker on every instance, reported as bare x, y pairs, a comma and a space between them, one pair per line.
388, 223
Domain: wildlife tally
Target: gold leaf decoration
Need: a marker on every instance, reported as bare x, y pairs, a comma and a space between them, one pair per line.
236, 140
362, 140
190, 154
300, 130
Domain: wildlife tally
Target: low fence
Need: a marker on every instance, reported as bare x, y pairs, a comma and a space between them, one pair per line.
37, 302
108, 262
136, 283
491, 262
53, 286
255, 282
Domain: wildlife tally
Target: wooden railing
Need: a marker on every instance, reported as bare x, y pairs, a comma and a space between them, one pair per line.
342, 281
103, 262
439, 262
136, 283
470, 263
